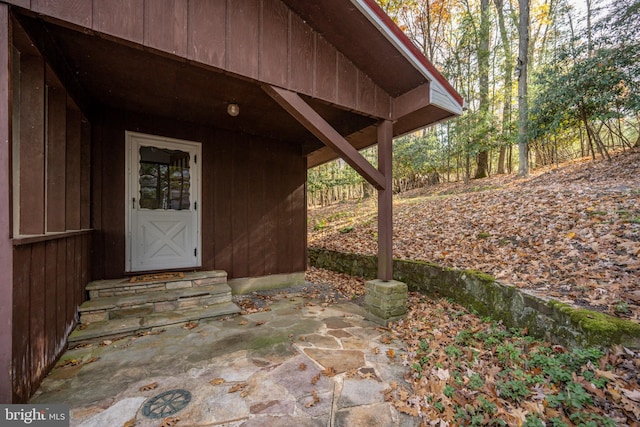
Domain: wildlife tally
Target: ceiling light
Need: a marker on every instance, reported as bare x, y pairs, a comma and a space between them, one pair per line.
233, 110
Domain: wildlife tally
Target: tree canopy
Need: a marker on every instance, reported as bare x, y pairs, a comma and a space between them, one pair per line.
584, 97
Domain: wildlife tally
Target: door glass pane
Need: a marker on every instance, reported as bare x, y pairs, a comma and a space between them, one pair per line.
164, 179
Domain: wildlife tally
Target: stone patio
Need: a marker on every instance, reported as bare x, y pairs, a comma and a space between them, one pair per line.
303, 363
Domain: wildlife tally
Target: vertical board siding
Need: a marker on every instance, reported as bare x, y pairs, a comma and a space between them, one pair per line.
20, 367
43, 311
32, 145
219, 159
250, 186
366, 93
56, 158
347, 83
6, 249
257, 39
120, 18
303, 56
50, 272
207, 32
165, 26
274, 45
258, 178
73, 167
326, 84
77, 12
85, 175
243, 37
271, 219
240, 208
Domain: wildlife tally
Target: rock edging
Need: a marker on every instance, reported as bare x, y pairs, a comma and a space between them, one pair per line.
544, 318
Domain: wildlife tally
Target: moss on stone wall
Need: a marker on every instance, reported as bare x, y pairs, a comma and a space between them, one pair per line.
481, 293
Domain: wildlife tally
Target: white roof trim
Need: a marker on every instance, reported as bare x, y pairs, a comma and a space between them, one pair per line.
439, 95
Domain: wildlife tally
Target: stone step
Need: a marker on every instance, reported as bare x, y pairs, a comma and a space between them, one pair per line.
117, 328
146, 303
115, 287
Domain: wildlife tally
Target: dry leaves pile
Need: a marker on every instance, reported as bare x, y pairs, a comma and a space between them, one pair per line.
572, 233
462, 370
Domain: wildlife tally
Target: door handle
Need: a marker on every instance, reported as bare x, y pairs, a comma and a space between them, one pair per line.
134, 203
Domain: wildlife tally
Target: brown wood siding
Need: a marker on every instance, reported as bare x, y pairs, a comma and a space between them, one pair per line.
243, 37
73, 158
262, 40
207, 31
301, 78
31, 145
77, 12
51, 266
166, 26
6, 249
120, 18
326, 86
49, 283
347, 83
275, 24
85, 174
251, 187
56, 157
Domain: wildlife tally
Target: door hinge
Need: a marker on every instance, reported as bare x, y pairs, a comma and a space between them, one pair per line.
195, 251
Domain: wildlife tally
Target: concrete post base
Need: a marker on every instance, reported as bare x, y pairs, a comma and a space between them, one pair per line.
385, 301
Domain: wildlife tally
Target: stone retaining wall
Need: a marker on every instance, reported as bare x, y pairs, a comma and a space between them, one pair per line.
480, 292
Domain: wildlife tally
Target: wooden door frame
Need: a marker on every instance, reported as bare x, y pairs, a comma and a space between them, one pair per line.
197, 191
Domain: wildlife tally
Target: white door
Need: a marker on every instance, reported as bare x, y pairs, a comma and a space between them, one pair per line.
163, 190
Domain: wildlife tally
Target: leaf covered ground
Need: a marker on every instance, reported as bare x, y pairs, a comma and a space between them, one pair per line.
465, 371
570, 232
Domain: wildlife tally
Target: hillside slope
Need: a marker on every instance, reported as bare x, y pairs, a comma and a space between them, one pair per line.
572, 233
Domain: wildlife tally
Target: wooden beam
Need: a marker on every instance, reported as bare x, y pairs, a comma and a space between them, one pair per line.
385, 202
411, 101
311, 120
6, 248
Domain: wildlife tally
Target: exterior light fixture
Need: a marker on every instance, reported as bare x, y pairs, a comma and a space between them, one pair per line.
233, 110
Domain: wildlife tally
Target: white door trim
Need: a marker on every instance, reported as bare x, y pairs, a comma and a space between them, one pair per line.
132, 157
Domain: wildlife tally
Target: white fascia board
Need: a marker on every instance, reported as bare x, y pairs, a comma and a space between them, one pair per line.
439, 95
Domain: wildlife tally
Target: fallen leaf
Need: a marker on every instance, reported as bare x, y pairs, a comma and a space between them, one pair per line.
302, 367
238, 387
217, 381
190, 325
315, 379
329, 372
391, 353
148, 387
632, 394
315, 399
170, 422
130, 423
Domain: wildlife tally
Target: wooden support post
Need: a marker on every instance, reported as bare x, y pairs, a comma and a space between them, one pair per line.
385, 202
6, 247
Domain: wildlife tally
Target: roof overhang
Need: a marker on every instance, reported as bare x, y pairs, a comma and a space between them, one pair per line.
442, 94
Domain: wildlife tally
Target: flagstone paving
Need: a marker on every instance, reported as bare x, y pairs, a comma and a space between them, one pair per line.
303, 363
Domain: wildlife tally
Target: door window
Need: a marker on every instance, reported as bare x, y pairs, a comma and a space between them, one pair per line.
164, 179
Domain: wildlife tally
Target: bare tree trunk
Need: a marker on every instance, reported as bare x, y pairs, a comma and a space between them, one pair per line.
523, 113
483, 71
508, 71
